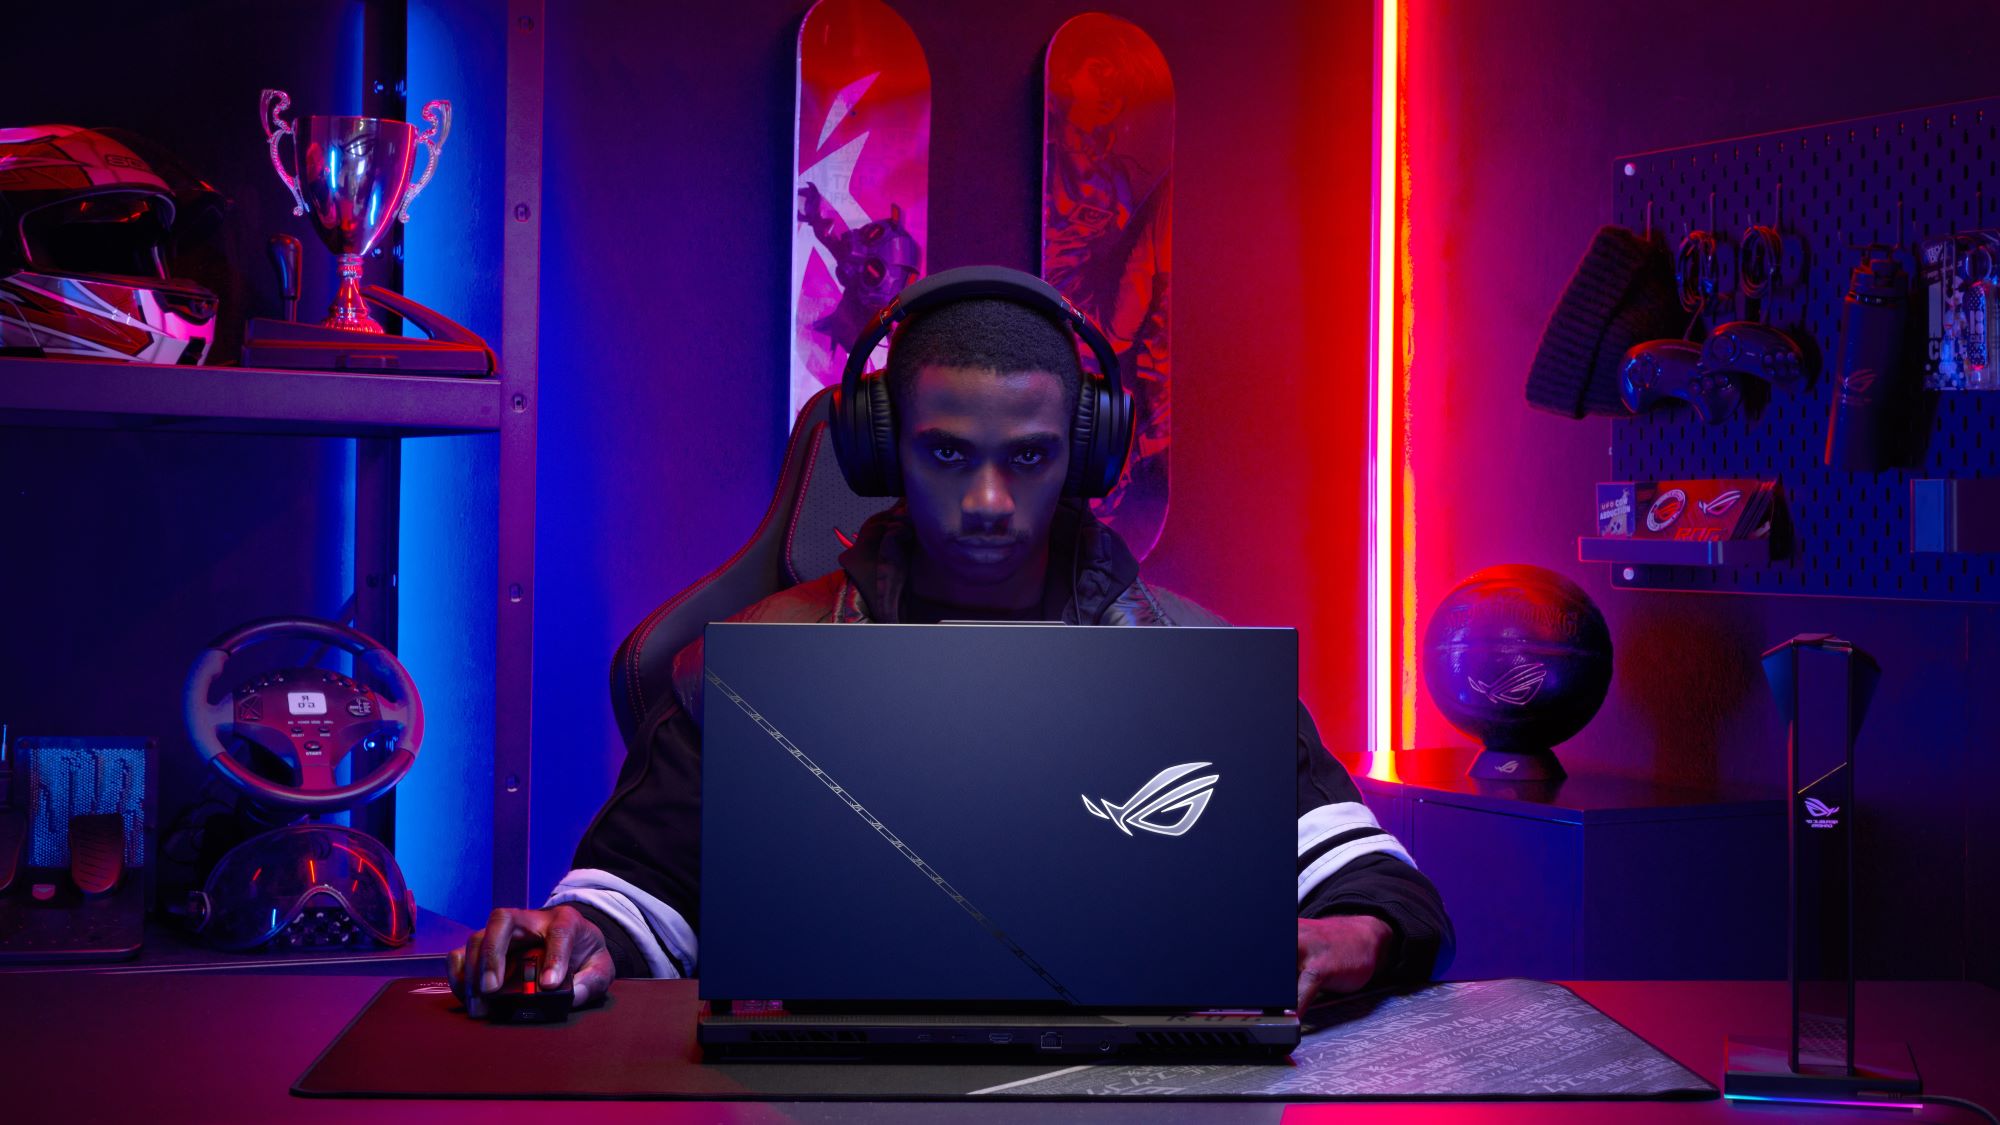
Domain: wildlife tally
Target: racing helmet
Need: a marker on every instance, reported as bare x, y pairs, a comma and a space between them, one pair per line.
85, 232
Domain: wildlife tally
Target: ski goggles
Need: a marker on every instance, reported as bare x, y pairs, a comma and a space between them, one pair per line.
307, 885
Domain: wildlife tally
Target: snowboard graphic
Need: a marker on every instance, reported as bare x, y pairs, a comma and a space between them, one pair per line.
1107, 218
861, 180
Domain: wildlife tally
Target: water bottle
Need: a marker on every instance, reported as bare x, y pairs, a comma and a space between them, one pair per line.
1868, 383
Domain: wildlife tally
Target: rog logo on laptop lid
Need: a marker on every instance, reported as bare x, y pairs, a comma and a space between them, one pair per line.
1155, 798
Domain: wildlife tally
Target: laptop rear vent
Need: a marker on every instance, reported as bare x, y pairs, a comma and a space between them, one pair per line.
1194, 1040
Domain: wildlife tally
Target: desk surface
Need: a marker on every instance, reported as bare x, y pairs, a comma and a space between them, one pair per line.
169, 949
223, 1047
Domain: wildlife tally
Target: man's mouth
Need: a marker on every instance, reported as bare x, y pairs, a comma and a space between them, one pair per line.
986, 550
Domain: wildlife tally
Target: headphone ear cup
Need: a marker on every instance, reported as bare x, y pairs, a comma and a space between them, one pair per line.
1083, 451
1101, 439
857, 423
849, 450
1114, 434
881, 422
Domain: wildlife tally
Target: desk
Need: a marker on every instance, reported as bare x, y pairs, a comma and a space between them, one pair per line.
169, 949
225, 1047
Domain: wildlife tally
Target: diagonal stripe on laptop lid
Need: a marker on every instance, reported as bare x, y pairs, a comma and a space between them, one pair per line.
895, 841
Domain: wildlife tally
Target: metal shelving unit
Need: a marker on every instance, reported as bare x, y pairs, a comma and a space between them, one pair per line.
100, 394
379, 411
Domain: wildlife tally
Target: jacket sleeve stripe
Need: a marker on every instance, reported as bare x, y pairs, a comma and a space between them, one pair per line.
1327, 865
1327, 821
1334, 834
1311, 855
663, 937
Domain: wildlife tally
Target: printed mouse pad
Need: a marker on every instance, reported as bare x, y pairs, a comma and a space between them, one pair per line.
1457, 1040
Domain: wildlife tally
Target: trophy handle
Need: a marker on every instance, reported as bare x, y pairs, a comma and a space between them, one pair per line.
437, 115
276, 128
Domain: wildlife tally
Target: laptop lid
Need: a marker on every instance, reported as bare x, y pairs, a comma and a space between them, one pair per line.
1014, 814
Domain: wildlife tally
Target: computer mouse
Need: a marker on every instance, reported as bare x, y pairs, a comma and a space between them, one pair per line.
523, 1000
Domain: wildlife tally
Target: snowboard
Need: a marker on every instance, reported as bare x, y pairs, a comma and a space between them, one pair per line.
1107, 219
861, 181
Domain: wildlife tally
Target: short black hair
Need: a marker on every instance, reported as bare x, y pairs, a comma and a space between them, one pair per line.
984, 332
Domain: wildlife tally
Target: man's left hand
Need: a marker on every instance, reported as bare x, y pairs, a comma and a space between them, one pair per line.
1339, 954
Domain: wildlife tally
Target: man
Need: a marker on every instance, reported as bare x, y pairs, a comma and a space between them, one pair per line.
983, 392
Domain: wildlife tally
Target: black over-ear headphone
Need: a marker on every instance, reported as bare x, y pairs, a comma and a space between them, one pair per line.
864, 423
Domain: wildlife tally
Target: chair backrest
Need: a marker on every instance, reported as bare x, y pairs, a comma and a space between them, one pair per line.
800, 538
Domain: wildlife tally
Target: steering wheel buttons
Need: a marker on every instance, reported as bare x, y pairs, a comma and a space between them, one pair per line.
312, 747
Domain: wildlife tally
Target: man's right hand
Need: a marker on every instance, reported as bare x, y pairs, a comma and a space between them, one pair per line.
574, 951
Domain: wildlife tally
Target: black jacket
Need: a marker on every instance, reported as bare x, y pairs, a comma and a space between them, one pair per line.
638, 867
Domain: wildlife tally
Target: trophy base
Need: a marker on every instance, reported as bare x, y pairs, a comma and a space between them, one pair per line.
349, 312
311, 347
342, 320
452, 349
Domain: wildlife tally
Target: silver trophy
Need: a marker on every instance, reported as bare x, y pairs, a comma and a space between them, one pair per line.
354, 179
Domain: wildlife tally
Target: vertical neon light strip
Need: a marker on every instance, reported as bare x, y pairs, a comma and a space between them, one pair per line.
1405, 278
1383, 441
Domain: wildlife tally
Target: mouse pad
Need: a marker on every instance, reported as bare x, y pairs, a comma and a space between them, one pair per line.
1463, 1039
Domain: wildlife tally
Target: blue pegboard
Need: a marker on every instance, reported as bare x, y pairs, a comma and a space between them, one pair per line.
1899, 177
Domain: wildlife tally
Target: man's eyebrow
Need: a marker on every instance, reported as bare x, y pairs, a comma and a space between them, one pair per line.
939, 436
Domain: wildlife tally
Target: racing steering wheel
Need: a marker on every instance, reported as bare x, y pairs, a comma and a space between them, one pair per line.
310, 717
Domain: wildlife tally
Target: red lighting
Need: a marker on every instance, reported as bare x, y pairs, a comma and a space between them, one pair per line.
1392, 522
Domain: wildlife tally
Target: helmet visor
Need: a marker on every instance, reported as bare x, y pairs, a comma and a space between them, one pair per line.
266, 882
123, 233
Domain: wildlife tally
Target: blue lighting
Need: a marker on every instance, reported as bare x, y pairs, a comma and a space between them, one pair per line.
1883, 1104
450, 499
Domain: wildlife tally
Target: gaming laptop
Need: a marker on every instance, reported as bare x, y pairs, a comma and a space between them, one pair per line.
1027, 838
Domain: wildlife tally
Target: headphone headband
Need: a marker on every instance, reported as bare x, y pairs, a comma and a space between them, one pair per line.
863, 418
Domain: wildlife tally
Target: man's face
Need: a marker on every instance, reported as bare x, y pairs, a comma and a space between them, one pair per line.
984, 456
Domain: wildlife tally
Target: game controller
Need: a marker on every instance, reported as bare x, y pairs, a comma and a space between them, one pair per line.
1662, 370
1745, 347
1712, 377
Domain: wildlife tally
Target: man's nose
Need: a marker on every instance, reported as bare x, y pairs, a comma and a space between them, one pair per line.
988, 500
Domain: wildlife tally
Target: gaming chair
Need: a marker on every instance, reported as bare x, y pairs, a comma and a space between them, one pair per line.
798, 539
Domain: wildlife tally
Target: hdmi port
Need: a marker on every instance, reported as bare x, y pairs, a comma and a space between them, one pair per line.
1000, 1036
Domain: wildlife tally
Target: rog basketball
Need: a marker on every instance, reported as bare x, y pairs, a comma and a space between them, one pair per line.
1518, 657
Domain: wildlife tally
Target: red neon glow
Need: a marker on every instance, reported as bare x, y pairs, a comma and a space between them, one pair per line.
1392, 522
1405, 582
312, 871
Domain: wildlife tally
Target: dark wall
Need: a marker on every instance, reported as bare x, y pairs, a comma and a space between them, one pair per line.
667, 185
1515, 113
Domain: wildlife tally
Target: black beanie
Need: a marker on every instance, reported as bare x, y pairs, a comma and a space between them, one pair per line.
1622, 294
